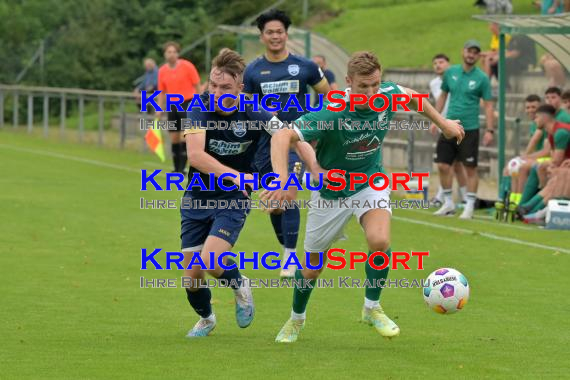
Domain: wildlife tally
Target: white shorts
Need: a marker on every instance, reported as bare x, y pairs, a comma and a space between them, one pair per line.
326, 225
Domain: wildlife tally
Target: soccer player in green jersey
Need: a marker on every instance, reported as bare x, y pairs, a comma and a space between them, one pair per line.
353, 150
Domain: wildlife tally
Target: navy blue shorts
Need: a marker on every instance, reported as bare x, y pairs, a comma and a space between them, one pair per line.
197, 224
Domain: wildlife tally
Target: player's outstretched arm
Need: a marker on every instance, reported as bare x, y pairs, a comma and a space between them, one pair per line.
449, 128
201, 160
280, 145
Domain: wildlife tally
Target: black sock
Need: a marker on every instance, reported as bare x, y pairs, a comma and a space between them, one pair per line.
277, 222
183, 157
231, 274
175, 155
200, 301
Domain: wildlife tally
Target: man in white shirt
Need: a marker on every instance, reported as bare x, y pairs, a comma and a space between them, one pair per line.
440, 63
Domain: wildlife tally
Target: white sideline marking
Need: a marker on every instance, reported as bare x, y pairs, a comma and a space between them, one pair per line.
485, 220
72, 158
484, 234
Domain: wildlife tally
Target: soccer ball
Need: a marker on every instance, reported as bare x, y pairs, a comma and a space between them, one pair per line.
447, 291
514, 166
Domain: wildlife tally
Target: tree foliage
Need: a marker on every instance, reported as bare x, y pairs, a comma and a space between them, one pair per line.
100, 44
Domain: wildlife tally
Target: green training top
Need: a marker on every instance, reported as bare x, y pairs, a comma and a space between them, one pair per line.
465, 89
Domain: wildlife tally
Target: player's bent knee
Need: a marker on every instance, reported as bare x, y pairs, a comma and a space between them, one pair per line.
378, 243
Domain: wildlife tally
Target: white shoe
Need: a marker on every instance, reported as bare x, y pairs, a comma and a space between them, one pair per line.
467, 213
245, 309
289, 272
203, 327
447, 209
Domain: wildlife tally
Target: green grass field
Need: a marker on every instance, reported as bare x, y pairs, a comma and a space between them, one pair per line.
427, 28
72, 307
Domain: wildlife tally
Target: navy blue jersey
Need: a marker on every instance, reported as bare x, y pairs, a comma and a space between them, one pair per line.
330, 76
234, 144
290, 76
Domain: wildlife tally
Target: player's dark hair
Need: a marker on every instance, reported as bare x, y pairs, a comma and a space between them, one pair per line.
566, 95
532, 98
272, 15
547, 109
440, 56
168, 44
229, 62
363, 63
553, 90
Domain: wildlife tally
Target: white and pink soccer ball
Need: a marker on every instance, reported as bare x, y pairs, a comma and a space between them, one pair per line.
447, 292
514, 166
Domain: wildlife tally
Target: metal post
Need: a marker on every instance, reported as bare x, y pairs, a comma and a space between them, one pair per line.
62, 112
305, 9
46, 115
101, 112
517, 136
15, 109
308, 44
42, 51
30, 112
81, 107
502, 86
122, 125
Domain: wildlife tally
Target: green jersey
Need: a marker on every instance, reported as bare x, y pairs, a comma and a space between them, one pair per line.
562, 116
466, 89
540, 144
350, 141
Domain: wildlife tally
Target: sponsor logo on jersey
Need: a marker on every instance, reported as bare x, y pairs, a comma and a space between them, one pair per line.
293, 69
228, 148
239, 129
280, 87
265, 72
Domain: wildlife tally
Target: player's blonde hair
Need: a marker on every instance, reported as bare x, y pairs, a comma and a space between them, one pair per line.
363, 63
229, 62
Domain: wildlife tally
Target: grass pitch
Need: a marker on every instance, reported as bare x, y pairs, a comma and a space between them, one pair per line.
72, 307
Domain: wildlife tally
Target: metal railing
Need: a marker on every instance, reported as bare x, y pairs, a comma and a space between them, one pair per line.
65, 96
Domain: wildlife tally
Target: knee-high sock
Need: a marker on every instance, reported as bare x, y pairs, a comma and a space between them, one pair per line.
372, 293
534, 204
200, 301
504, 188
290, 227
175, 149
232, 274
301, 294
276, 221
531, 186
182, 157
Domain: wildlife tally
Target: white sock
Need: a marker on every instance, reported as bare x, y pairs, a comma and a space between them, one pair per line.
286, 255
447, 197
369, 304
470, 200
463, 193
439, 195
296, 316
210, 318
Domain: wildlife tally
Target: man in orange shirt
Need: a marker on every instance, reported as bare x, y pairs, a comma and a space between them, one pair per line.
177, 76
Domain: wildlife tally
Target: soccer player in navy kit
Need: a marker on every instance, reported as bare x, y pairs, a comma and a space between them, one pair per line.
282, 73
219, 151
